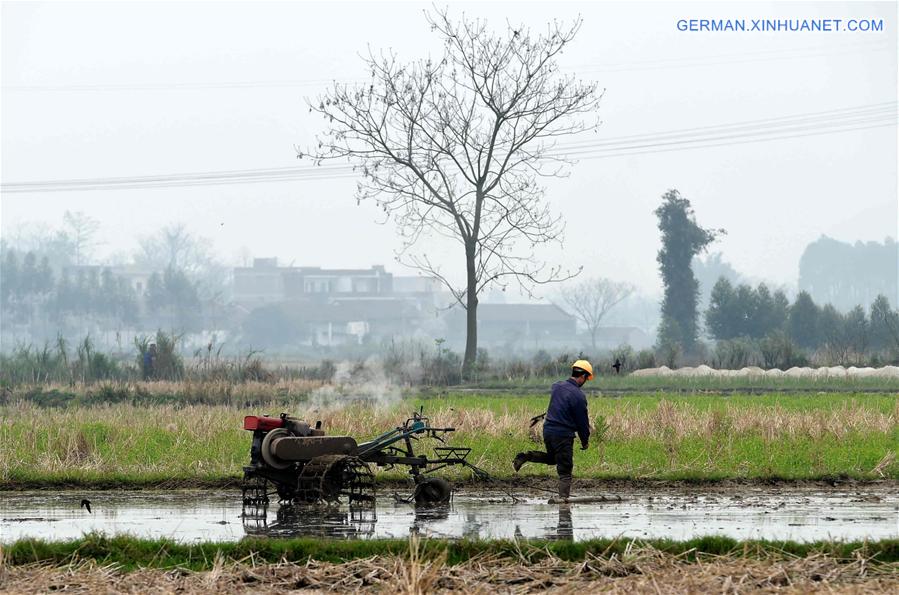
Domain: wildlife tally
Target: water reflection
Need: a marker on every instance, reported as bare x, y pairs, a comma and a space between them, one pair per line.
310, 521
426, 517
565, 527
755, 513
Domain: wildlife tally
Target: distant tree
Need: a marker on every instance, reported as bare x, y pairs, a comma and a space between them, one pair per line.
591, 299
44, 276
804, 327
65, 298
721, 317
118, 301
155, 293
857, 332
832, 334
56, 245
28, 280
769, 312
884, 324
708, 271
456, 146
271, 326
82, 230
173, 298
744, 311
682, 240
9, 274
846, 275
779, 351
175, 247
775, 312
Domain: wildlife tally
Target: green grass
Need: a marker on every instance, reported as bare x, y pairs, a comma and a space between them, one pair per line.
131, 553
650, 436
627, 383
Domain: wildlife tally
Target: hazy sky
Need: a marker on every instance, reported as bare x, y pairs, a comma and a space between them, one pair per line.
100, 90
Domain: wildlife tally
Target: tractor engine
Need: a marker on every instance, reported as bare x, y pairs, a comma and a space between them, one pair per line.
303, 463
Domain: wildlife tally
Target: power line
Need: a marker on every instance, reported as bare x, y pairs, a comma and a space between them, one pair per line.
885, 108
656, 149
749, 131
763, 134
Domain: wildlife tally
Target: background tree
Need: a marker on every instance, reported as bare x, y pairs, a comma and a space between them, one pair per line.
832, 335
81, 230
804, 327
721, 315
272, 326
846, 275
771, 311
744, 311
884, 324
708, 270
456, 146
591, 299
9, 274
857, 333
175, 247
682, 239
172, 297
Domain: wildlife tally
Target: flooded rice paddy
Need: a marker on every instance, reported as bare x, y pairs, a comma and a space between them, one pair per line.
745, 512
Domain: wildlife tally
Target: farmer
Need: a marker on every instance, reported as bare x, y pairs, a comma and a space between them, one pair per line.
565, 417
150, 356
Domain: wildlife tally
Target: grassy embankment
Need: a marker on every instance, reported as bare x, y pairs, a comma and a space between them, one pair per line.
648, 436
96, 563
130, 552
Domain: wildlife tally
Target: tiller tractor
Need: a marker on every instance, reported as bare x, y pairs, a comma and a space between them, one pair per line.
306, 466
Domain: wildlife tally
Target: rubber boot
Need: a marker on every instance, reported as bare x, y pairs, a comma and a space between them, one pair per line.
564, 487
520, 459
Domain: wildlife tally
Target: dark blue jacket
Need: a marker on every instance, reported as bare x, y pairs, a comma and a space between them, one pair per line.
567, 412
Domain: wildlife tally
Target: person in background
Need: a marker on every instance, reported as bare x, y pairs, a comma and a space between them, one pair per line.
150, 362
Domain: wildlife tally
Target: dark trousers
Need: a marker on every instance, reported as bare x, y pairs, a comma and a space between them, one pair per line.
559, 452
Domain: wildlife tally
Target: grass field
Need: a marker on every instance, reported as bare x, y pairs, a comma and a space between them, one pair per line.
293, 391
652, 436
709, 383
129, 552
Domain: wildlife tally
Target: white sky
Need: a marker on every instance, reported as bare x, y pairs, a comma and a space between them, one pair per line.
97, 90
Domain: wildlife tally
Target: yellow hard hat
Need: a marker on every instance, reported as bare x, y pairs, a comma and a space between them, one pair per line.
585, 366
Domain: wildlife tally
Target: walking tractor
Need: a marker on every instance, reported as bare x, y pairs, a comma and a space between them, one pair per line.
306, 466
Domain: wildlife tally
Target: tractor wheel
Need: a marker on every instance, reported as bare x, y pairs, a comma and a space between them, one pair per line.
433, 490
285, 493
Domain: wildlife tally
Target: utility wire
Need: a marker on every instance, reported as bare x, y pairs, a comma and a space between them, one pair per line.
750, 131
886, 108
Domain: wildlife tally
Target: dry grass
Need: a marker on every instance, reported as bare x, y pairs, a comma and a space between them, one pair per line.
644, 438
640, 569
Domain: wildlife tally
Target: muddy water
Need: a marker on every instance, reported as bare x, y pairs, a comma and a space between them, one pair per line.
799, 514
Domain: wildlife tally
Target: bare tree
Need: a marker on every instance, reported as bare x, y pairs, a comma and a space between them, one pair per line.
175, 247
456, 147
82, 229
591, 299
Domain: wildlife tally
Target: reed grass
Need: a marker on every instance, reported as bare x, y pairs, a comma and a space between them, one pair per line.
646, 436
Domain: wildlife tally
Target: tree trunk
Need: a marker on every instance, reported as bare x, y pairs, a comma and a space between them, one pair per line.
471, 304
593, 339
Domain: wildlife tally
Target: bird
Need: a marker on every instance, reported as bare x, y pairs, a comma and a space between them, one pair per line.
85, 503
617, 365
